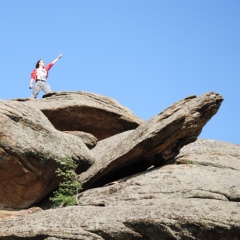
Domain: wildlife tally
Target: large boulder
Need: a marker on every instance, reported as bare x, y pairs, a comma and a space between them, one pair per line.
29, 147
153, 143
87, 112
195, 196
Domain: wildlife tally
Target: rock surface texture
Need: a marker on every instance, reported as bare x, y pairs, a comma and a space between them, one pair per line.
196, 196
29, 146
87, 112
153, 143
142, 180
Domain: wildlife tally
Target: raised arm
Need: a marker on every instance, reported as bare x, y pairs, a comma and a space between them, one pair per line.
55, 60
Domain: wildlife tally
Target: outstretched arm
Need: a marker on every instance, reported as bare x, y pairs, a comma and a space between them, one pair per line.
55, 60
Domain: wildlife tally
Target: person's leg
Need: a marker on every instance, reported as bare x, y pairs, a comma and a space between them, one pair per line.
36, 90
46, 88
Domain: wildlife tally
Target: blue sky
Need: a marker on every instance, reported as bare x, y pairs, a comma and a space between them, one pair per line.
146, 54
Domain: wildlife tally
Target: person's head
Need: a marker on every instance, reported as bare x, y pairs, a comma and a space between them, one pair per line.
40, 63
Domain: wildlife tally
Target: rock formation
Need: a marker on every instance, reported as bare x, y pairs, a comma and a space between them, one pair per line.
195, 196
142, 180
29, 146
87, 112
153, 142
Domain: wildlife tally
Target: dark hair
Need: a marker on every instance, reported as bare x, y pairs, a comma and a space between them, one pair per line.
37, 64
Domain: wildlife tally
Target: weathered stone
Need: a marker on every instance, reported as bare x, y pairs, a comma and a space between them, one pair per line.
153, 142
29, 146
191, 198
87, 112
87, 138
219, 154
195, 193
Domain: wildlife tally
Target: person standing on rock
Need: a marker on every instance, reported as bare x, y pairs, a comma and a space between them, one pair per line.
39, 77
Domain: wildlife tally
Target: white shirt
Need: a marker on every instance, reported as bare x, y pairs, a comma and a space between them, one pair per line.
41, 74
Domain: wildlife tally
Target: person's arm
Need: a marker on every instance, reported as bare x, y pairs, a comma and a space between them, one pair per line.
55, 60
33, 77
31, 83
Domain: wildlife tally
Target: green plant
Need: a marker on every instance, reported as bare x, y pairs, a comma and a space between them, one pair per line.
190, 162
65, 195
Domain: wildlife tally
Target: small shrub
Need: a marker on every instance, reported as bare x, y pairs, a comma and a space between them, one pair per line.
65, 195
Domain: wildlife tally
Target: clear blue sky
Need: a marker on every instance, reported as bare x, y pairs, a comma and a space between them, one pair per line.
146, 54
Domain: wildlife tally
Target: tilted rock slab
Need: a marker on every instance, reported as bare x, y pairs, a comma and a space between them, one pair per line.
153, 142
188, 199
29, 146
87, 112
